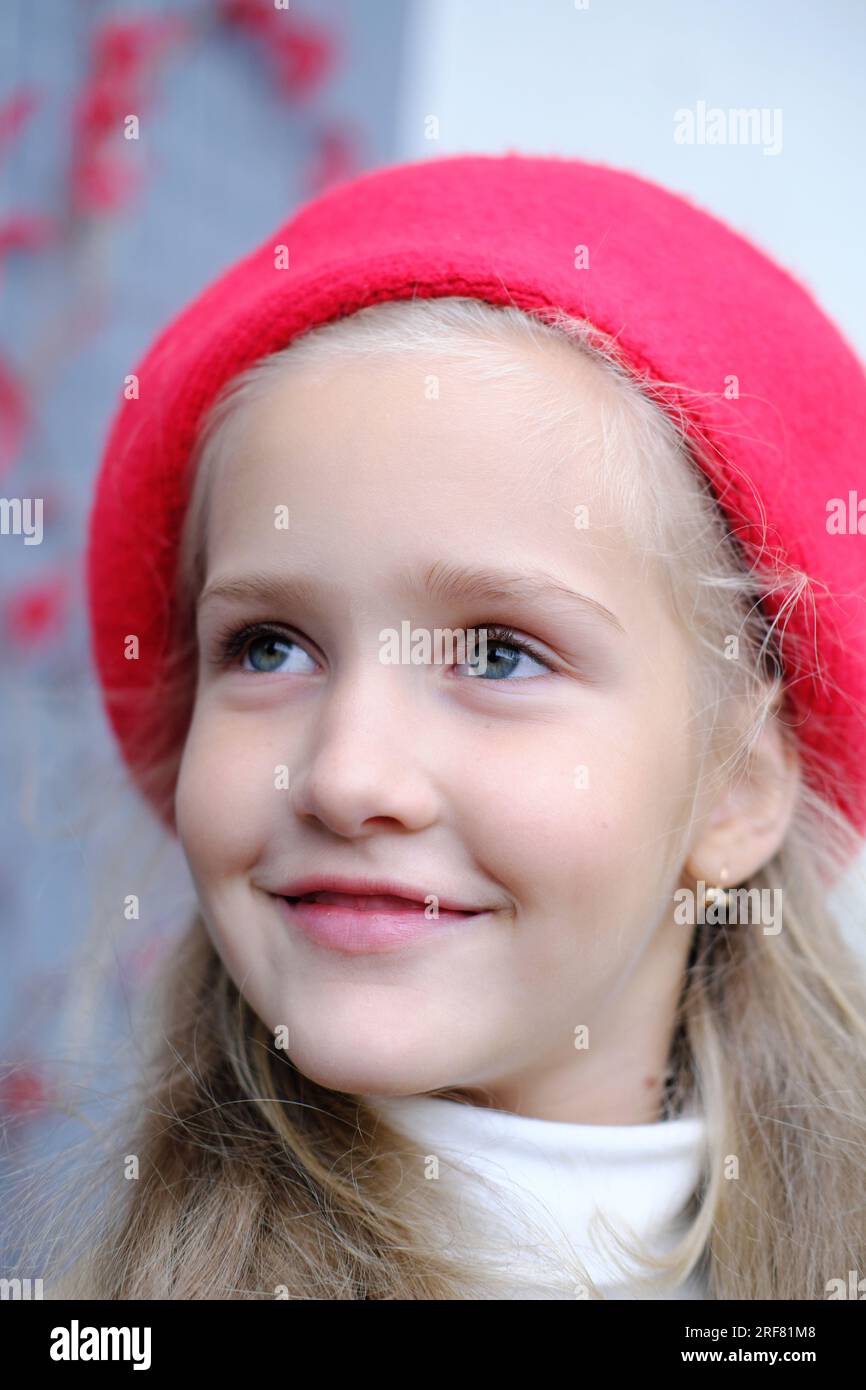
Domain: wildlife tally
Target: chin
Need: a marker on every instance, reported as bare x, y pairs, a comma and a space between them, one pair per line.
359, 1077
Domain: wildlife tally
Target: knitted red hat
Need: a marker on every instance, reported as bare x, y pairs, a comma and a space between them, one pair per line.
687, 299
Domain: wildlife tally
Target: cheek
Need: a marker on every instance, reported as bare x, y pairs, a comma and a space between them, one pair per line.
219, 800
579, 807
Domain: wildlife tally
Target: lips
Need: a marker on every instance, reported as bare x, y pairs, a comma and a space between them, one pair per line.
369, 923
372, 895
362, 902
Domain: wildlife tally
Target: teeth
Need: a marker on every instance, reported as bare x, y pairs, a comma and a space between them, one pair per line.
363, 902
368, 902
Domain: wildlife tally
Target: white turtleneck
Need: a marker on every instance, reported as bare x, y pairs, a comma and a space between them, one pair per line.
555, 1175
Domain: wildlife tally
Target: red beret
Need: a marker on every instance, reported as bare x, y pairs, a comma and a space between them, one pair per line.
688, 300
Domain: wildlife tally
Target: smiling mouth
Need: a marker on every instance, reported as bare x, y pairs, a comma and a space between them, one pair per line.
372, 923
372, 902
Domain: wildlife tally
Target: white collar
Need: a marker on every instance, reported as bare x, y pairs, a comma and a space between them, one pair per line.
558, 1173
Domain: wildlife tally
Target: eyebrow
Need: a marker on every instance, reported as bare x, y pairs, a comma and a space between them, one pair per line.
440, 580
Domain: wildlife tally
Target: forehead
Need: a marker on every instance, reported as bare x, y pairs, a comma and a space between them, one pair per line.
386, 447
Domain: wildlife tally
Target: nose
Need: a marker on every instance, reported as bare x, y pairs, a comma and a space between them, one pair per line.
364, 766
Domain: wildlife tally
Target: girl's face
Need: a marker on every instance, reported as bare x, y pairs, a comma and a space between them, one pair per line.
551, 791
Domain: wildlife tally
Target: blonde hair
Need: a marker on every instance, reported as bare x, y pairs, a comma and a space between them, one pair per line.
254, 1178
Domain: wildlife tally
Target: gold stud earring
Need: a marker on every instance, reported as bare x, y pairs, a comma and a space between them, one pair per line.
718, 893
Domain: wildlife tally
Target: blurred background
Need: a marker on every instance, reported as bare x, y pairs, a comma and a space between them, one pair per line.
246, 109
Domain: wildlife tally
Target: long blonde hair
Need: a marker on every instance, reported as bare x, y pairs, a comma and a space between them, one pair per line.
254, 1181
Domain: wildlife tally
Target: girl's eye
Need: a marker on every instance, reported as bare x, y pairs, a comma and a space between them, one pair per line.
271, 642
274, 645
501, 640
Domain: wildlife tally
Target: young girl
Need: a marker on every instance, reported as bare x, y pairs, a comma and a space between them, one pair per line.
514, 972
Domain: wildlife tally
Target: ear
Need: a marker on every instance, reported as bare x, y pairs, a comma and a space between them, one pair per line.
750, 819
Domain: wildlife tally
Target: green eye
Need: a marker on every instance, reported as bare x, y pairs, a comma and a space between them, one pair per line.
232, 643
502, 639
